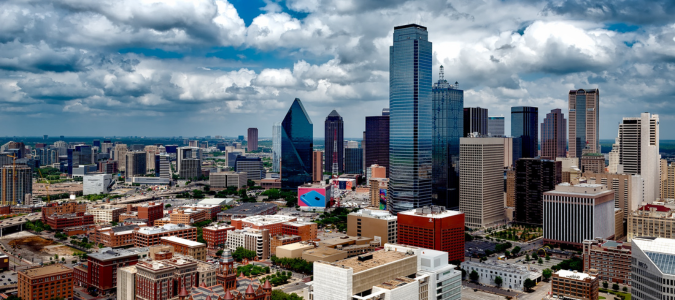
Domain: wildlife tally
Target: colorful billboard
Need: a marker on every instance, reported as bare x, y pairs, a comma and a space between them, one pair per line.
311, 196
383, 199
346, 184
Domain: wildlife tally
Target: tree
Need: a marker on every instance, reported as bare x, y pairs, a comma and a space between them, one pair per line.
615, 287
527, 257
498, 281
515, 250
625, 289
529, 284
167, 206
547, 273
219, 253
548, 257
467, 237
474, 276
540, 261
605, 284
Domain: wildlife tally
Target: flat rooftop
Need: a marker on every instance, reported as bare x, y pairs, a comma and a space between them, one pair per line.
345, 240
219, 227
435, 212
267, 220
249, 209
110, 253
394, 283
295, 246
375, 214
183, 241
379, 258
322, 252
574, 275
165, 228
584, 189
46, 270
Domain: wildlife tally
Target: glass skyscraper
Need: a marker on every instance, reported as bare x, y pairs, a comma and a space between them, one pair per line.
276, 146
448, 103
584, 114
410, 127
297, 144
377, 141
525, 131
475, 121
334, 140
554, 135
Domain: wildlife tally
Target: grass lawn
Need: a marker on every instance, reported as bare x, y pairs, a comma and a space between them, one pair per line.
601, 297
626, 295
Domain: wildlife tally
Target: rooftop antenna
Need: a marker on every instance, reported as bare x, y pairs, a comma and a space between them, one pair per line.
441, 74
456, 85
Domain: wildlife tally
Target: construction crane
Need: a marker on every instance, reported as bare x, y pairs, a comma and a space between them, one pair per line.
46, 186
4, 200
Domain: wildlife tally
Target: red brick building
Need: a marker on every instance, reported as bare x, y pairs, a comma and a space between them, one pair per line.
272, 223
102, 268
433, 228
150, 236
59, 221
611, 259
211, 210
63, 208
216, 236
305, 230
151, 211
164, 279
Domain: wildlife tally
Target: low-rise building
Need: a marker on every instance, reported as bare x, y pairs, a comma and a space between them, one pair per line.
223, 180
45, 283
281, 239
294, 250
150, 211
375, 224
653, 272
216, 235
567, 284
186, 247
212, 210
246, 210
513, 276
164, 279
188, 216
96, 184
102, 267
324, 254
353, 245
150, 236
59, 221
62, 208
250, 239
305, 230
105, 214
115, 237
273, 223
656, 219
270, 183
610, 259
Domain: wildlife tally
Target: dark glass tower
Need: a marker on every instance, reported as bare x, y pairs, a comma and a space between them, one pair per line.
524, 130
377, 141
534, 177
475, 120
410, 127
297, 135
353, 161
554, 135
334, 137
448, 102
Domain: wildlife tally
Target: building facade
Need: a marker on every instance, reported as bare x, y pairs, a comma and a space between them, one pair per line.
135, 164
334, 139
45, 283
639, 152
252, 166
216, 235
251, 239
276, 147
592, 162
317, 166
410, 132
628, 189
448, 128
252, 140
102, 268
353, 161
533, 177
186, 247
223, 180
377, 140
496, 126
525, 131
584, 127
433, 228
554, 135
150, 236
15, 183
652, 268
475, 121
575, 285
610, 259
297, 145
374, 224
513, 276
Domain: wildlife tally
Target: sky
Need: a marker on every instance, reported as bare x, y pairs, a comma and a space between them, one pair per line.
217, 67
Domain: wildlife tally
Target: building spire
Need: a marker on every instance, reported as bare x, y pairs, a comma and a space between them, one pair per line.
441, 74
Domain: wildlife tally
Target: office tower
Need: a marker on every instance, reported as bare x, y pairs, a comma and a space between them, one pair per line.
496, 126
188, 162
351, 144
575, 213
276, 147
334, 139
151, 151
96, 143
628, 189
592, 162
253, 166
410, 130
481, 186
553, 135
433, 228
194, 143
377, 140
475, 121
15, 183
353, 161
524, 130
372, 224
162, 166
297, 145
534, 176
584, 110
121, 156
80, 155
448, 105
639, 152
652, 268
106, 147
668, 181
232, 158
317, 166
252, 139
135, 164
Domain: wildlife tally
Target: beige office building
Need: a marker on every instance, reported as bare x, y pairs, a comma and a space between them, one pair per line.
223, 180
126, 283
654, 220
121, 156
105, 214
481, 186
375, 224
584, 112
667, 180
150, 152
294, 250
627, 189
317, 166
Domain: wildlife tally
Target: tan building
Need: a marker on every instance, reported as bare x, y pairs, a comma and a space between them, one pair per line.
589, 104
150, 152
150, 236
257, 240
121, 156
223, 180
654, 220
186, 247
619, 232
481, 186
114, 237
611, 259
126, 283
378, 192
105, 214
188, 216
510, 188
44, 283
317, 166
294, 250
575, 285
353, 245
667, 180
376, 224
627, 189
324, 254
281, 240
593, 162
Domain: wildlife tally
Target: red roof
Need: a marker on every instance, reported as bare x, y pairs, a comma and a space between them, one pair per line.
183, 292
648, 207
228, 296
249, 290
267, 285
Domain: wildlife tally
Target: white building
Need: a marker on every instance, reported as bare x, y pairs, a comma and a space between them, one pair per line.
126, 283
96, 184
653, 270
105, 214
513, 276
250, 239
639, 152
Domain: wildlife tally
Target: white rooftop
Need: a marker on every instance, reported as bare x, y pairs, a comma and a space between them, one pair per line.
266, 220
427, 212
217, 201
165, 228
586, 189
574, 275
183, 241
660, 245
375, 214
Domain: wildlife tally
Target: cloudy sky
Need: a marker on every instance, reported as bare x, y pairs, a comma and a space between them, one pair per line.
217, 67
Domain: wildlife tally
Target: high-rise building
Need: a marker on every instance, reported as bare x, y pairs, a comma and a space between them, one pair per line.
121, 156
252, 166
534, 176
135, 164
433, 228
377, 140
162, 166
475, 121
575, 213
353, 161
252, 141
553, 135
628, 189
334, 139
496, 126
276, 147
667, 181
150, 152
525, 131
652, 270
481, 186
188, 153
373, 224
410, 133
317, 166
15, 183
639, 152
191, 168
297, 145
592, 162
584, 127
448, 102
